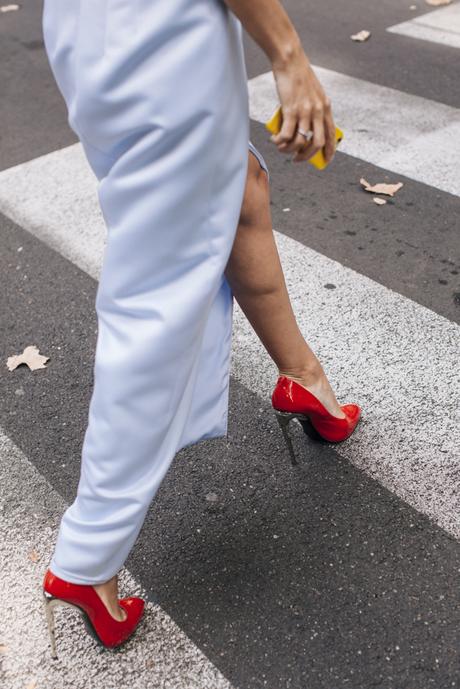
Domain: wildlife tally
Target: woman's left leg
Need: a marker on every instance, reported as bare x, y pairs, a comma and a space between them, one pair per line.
255, 275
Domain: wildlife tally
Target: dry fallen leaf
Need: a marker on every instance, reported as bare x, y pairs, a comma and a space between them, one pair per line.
379, 201
436, 3
32, 684
361, 35
381, 188
34, 556
30, 356
9, 8
3, 648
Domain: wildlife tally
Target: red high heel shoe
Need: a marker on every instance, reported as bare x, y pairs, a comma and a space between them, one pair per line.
291, 400
99, 622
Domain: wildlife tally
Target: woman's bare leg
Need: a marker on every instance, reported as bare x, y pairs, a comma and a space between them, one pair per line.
256, 277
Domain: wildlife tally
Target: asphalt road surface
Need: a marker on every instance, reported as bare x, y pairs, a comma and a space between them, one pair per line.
342, 573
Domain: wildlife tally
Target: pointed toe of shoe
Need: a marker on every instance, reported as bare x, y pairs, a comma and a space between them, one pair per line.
135, 609
353, 412
134, 606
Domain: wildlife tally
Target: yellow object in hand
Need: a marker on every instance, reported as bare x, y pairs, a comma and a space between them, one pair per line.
318, 160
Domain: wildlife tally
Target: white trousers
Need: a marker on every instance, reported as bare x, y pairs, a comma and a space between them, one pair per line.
157, 93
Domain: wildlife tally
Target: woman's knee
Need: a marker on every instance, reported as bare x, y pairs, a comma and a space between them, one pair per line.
256, 197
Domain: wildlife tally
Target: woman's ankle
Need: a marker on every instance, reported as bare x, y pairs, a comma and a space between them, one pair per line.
306, 375
317, 383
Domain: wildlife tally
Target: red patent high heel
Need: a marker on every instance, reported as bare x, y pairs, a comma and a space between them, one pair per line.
108, 631
291, 400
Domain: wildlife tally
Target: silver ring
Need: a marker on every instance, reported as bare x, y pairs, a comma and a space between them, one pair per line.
307, 135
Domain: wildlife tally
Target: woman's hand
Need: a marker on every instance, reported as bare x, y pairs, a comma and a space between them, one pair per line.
303, 101
305, 106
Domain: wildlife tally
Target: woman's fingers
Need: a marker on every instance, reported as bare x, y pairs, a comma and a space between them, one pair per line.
287, 131
323, 128
302, 141
316, 119
298, 142
305, 106
331, 142
318, 141
301, 120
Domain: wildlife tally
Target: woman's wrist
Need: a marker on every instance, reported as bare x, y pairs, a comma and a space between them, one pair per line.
271, 28
287, 53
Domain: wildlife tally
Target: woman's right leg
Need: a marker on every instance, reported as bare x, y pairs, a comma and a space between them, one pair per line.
255, 275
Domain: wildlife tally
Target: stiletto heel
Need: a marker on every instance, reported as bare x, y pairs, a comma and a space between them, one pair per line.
100, 624
50, 604
283, 419
292, 400
49, 612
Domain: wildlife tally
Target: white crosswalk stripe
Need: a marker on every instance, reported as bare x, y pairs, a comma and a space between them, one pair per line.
55, 198
160, 655
405, 134
440, 26
409, 435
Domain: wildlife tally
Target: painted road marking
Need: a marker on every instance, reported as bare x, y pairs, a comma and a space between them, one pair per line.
440, 26
394, 357
160, 655
405, 134
55, 198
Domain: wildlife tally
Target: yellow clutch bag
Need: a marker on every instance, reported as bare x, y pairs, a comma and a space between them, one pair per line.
318, 160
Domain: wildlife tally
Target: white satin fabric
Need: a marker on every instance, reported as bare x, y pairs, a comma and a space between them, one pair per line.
157, 93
